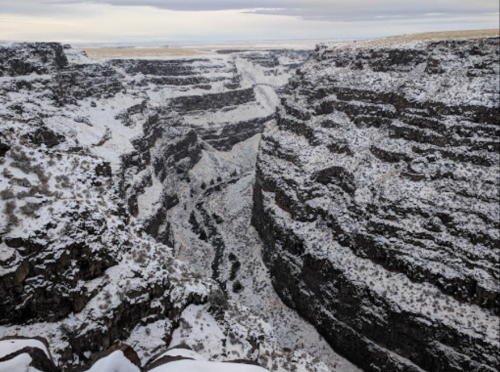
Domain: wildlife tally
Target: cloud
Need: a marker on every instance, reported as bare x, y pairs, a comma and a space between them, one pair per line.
147, 20
323, 10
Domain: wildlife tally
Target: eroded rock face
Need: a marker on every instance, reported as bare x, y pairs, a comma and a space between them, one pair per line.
206, 104
73, 268
377, 199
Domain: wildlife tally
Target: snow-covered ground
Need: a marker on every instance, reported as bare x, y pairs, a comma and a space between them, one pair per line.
287, 340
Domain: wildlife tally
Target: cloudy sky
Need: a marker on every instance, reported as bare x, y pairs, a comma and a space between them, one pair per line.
135, 21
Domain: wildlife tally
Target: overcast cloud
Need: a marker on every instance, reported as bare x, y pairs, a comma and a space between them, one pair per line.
238, 19
327, 10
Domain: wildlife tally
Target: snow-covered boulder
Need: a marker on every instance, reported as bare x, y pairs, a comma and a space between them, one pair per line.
19, 354
186, 360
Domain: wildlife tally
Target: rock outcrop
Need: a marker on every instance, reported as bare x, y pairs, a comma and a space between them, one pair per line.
376, 197
73, 263
15, 60
204, 104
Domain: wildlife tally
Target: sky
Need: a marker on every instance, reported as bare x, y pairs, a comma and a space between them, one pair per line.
181, 21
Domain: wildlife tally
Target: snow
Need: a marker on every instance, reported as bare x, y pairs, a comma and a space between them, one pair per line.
114, 362
198, 328
33, 77
104, 123
199, 366
147, 339
6, 253
20, 363
9, 257
184, 353
76, 56
148, 201
10, 346
255, 75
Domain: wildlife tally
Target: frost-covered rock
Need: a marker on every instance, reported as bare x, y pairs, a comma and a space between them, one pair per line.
20, 59
377, 199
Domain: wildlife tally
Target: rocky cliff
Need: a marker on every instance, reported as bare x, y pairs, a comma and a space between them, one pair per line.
376, 196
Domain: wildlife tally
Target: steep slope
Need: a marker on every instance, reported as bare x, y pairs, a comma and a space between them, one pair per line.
376, 197
75, 268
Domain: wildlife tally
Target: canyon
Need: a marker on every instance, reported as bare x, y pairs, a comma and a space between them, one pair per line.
292, 210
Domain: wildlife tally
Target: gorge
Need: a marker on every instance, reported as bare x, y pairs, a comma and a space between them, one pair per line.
327, 210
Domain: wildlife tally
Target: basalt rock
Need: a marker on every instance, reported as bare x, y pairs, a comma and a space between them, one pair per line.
4, 147
16, 59
225, 139
65, 252
377, 199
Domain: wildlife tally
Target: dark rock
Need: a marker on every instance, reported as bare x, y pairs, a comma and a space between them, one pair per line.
45, 136
212, 101
103, 170
395, 193
27, 58
4, 147
233, 133
38, 260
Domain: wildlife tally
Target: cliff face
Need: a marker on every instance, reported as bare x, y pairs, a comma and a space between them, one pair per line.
190, 107
18, 62
376, 197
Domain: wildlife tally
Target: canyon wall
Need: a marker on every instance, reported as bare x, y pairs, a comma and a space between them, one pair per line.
376, 197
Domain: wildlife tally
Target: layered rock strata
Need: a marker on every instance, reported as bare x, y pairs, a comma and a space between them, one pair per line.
376, 196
